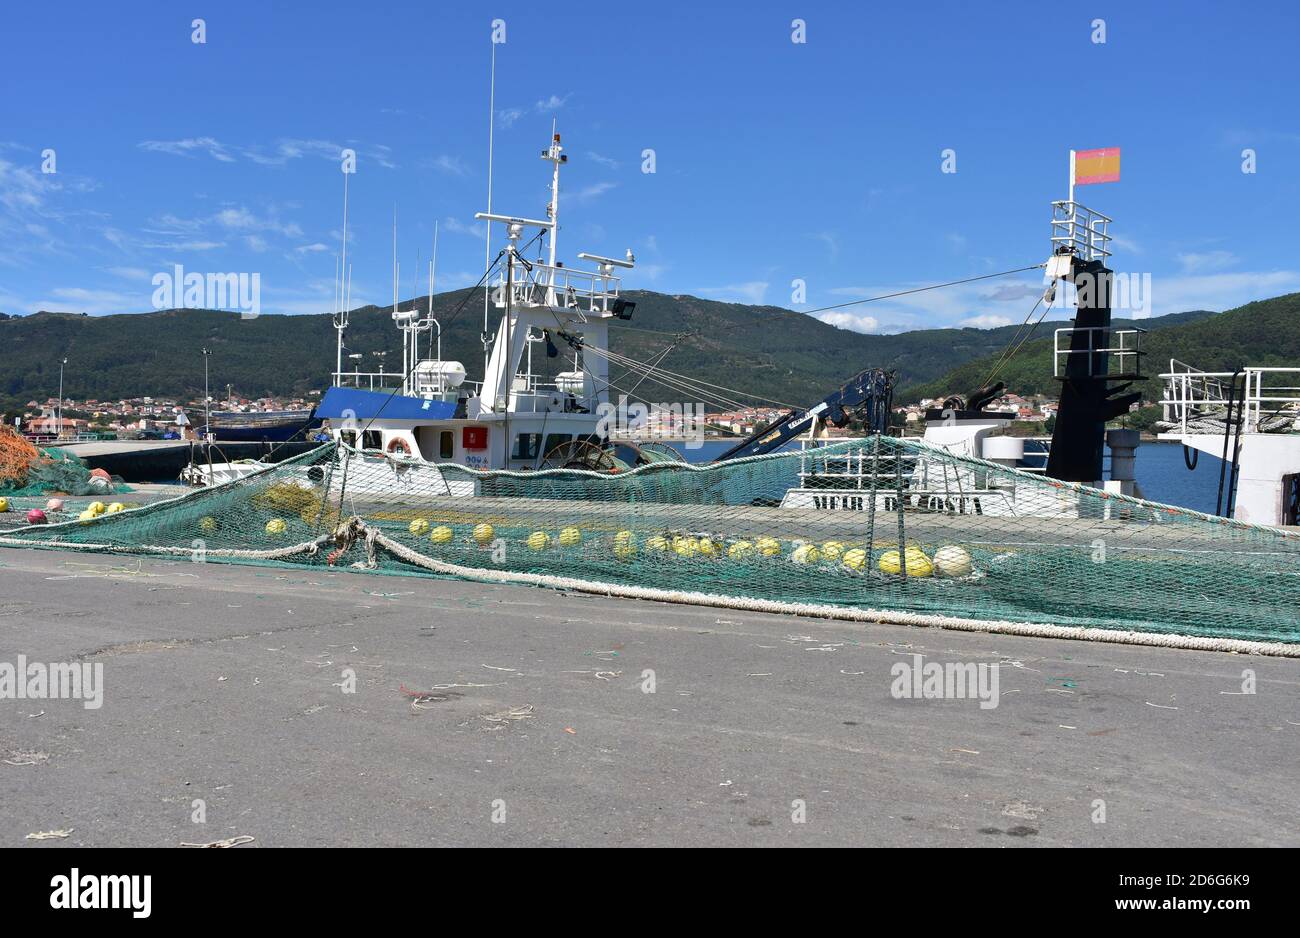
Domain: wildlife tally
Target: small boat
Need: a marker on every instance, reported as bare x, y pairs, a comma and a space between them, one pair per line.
273, 426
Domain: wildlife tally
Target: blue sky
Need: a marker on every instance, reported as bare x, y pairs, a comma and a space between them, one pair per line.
775, 160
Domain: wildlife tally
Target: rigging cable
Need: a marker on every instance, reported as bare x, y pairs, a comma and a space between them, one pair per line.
889, 296
1009, 353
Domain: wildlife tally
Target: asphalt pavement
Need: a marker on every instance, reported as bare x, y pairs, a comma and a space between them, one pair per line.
314, 707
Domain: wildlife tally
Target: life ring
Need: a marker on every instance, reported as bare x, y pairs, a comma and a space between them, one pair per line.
398, 446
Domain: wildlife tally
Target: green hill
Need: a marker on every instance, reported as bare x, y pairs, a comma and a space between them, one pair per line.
765, 350
1263, 334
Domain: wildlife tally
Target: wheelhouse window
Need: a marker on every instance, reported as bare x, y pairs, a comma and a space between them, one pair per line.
446, 444
527, 446
555, 439
372, 439
348, 437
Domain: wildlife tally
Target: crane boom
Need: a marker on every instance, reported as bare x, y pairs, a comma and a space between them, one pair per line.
870, 392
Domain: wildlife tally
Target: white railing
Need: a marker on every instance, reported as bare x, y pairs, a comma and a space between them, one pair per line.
1192, 394
41, 439
1081, 230
1121, 353
532, 395
368, 380
583, 290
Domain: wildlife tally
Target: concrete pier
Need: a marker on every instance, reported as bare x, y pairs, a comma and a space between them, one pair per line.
226, 685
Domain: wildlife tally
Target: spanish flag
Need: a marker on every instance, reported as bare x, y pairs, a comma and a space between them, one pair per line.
1089, 166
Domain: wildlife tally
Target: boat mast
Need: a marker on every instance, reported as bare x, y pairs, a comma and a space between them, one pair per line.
433, 273
1092, 392
486, 337
555, 155
341, 315
405, 344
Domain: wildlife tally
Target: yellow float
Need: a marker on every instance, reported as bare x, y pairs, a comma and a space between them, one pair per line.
483, 534
855, 559
419, 527
570, 537
918, 564
768, 546
806, 553
740, 550
832, 550
539, 540
441, 534
274, 526
624, 545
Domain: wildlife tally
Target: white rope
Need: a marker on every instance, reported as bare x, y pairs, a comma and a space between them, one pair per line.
307, 547
343, 536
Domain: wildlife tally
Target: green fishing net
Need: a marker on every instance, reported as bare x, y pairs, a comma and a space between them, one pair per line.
873, 524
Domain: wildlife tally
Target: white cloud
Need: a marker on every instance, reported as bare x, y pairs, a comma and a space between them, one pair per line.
456, 226
553, 103
856, 322
451, 165
94, 302
506, 118
1177, 294
241, 219
828, 238
190, 146
383, 155
751, 292
278, 153
593, 191
130, 273
1011, 292
602, 160
1125, 244
1207, 261
986, 321
648, 272
180, 245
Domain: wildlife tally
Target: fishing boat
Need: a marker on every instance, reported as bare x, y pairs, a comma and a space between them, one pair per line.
546, 400
522, 415
272, 426
1249, 419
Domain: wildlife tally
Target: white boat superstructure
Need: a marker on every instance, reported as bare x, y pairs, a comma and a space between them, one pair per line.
519, 415
1249, 419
